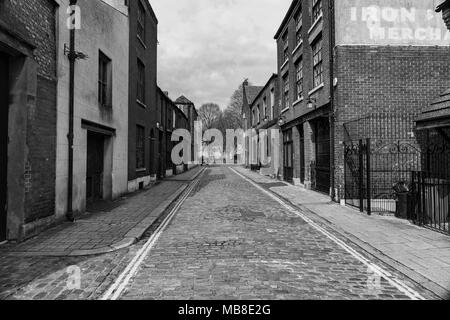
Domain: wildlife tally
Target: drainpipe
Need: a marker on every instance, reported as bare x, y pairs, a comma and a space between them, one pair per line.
72, 58
332, 104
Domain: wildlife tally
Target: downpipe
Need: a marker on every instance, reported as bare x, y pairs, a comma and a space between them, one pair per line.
70, 136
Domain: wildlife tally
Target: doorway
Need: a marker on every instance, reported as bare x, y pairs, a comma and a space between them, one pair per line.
288, 151
321, 167
95, 166
302, 154
4, 110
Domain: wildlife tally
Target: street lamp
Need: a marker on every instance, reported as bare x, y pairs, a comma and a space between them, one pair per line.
281, 121
311, 103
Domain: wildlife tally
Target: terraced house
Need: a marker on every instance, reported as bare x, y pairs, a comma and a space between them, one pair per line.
350, 71
142, 117
92, 106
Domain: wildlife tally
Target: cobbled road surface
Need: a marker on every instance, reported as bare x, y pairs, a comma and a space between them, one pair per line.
228, 241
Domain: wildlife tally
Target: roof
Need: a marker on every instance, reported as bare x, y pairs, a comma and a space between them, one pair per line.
252, 92
287, 17
437, 110
443, 5
273, 76
183, 100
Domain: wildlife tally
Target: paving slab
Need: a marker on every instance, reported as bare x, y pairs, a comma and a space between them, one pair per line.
121, 225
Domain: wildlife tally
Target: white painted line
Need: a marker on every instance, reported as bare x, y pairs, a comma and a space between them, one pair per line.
117, 288
410, 293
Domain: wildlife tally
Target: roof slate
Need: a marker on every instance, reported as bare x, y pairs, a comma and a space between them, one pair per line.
440, 108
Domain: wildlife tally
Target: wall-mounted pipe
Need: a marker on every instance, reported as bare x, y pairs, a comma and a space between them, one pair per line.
70, 136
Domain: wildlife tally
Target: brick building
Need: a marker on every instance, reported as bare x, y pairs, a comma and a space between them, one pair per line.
142, 162
188, 107
170, 118
264, 116
28, 73
342, 61
249, 93
100, 121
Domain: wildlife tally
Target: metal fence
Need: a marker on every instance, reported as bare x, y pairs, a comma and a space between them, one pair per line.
379, 156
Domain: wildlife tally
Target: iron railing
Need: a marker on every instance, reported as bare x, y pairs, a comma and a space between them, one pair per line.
430, 201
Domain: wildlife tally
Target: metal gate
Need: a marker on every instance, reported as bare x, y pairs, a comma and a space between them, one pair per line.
357, 175
373, 168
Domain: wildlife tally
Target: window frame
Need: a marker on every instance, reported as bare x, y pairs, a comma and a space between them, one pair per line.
140, 87
104, 80
141, 22
140, 148
298, 26
317, 53
285, 40
272, 103
286, 89
299, 85
317, 10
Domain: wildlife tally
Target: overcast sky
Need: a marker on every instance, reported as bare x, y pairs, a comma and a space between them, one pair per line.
208, 47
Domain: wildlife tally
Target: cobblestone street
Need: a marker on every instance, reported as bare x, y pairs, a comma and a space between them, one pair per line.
228, 240
232, 241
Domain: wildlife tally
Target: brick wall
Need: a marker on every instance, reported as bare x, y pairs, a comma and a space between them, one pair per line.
41, 141
35, 21
384, 81
145, 116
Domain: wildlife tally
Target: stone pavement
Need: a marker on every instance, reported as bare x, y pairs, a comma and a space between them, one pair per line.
230, 241
421, 254
122, 224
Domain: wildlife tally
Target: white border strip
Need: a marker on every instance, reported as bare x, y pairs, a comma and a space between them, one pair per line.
117, 288
410, 293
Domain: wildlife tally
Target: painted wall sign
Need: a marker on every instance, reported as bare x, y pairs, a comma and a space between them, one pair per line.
387, 22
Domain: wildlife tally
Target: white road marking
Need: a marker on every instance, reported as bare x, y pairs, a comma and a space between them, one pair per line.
117, 288
410, 293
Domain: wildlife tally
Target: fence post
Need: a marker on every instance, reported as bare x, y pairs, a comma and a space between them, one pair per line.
361, 176
369, 182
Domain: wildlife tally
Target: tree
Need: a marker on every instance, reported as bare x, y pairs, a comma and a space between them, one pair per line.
209, 114
234, 109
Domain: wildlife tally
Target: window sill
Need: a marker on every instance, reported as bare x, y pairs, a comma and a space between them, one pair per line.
297, 47
315, 23
298, 101
141, 170
142, 42
284, 64
285, 110
316, 89
143, 105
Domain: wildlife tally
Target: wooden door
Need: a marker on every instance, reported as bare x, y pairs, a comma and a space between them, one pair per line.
95, 166
322, 166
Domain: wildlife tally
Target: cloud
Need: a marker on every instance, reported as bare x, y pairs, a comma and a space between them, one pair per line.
208, 47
